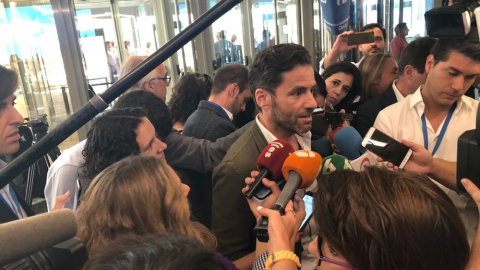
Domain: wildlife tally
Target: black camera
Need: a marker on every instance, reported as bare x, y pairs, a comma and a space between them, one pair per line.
453, 21
468, 156
334, 118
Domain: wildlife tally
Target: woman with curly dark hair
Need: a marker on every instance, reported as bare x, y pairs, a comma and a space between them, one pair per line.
187, 93
115, 135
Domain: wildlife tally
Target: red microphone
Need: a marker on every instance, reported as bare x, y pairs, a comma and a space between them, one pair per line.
300, 169
269, 165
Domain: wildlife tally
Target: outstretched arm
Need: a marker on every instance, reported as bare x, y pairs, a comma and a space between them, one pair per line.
198, 154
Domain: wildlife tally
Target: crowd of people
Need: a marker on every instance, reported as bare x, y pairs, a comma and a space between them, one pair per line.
157, 186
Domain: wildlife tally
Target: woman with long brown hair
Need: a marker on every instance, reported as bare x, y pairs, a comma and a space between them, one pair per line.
138, 195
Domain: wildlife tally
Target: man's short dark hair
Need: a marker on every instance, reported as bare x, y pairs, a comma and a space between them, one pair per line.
155, 108
8, 82
375, 25
399, 27
415, 54
232, 73
269, 64
154, 252
443, 47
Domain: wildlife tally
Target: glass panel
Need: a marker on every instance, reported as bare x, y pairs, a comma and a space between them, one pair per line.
396, 15
413, 15
370, 12
138, 27
228, 37
263, 24
287, 21
98, 43
181, 20
29, 45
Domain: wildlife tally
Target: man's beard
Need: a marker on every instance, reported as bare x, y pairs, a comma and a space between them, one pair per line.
286, 122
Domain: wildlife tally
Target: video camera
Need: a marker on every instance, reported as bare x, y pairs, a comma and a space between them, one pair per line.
453, 21
468, 156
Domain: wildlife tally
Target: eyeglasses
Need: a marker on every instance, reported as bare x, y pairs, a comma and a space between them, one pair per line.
332, 261
167, 78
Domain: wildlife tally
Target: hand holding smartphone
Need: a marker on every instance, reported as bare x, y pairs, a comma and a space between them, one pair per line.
360, 38
308, 200
386, 147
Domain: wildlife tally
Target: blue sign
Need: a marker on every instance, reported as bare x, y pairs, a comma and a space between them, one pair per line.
336, 15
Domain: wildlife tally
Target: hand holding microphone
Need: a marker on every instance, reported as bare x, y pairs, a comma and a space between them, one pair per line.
300, 169
269, 164
269, 201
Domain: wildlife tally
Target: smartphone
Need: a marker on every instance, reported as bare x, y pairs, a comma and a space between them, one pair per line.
263, 191
334, 117
360, 38
308, 200
386, 147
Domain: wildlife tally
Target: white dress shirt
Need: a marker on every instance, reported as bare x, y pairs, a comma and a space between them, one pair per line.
402, 120
398, 95
63, 174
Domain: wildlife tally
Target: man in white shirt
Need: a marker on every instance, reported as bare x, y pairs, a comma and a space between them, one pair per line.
438, 113
340, 46
282, 82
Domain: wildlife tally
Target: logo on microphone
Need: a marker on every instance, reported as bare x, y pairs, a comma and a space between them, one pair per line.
274, 145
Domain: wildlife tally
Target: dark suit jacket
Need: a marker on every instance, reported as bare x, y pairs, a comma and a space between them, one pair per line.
232, 220
208, 122
368, 111
7, 215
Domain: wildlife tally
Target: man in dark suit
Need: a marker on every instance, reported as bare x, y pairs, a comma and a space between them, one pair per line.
411, 76
213, 117
12, 205
282, 82
211, 121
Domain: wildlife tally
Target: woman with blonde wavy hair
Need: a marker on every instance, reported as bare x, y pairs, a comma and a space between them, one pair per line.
378, 73
138, 195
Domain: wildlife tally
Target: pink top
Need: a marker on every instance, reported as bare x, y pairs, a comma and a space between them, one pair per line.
397, 45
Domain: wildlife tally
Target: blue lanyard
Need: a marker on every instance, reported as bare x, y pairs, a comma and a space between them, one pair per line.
442, 132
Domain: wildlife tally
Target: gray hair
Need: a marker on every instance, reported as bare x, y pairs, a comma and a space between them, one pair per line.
129, 65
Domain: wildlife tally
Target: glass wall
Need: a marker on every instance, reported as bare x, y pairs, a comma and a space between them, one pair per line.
98, 42
30, 46
263, 24
287, 21
228, 37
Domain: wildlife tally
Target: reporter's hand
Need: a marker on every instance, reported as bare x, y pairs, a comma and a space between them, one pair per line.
420, 161
268, 202
281, 229
61, 200
341, 45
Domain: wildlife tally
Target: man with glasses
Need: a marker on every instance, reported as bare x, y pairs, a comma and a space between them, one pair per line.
156, 81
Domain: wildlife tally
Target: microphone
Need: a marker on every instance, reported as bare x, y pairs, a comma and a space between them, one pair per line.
335, 163
348, 141
365, 160
269, 165
300, 169
23, 237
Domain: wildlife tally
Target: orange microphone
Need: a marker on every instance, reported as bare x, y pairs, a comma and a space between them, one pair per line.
300, 169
